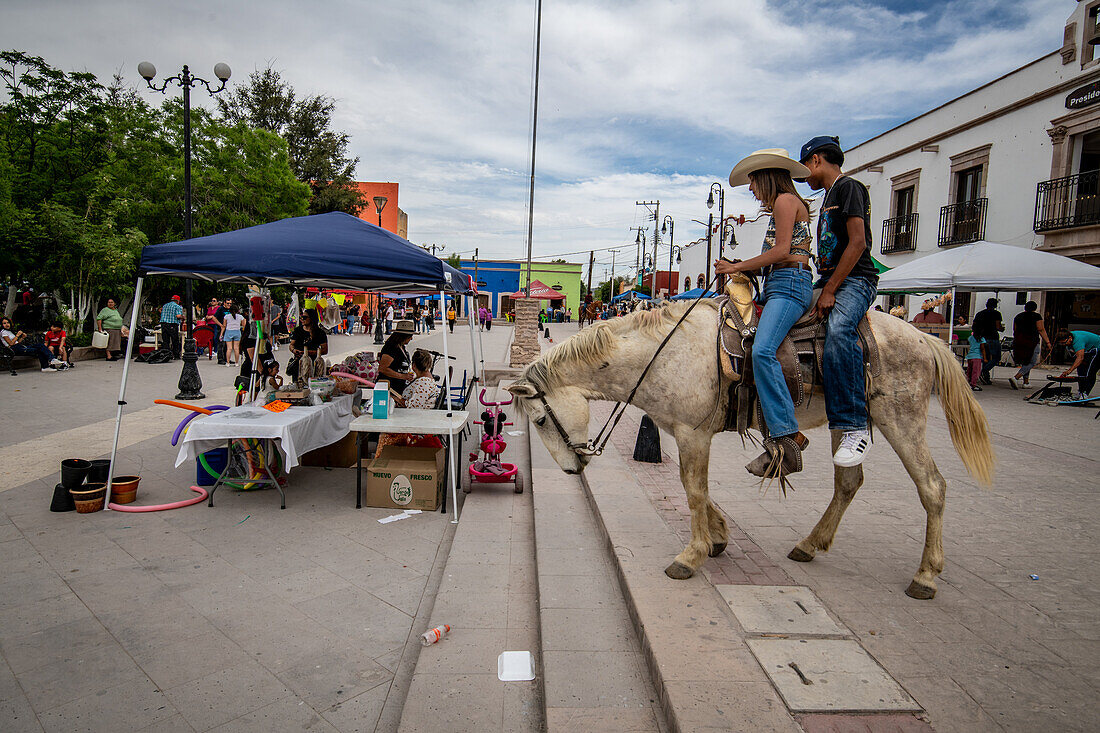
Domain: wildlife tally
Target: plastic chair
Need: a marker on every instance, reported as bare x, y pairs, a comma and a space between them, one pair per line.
204, 339
458, 393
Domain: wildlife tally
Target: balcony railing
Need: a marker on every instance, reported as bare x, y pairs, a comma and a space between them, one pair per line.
899, 234
1072, 201
963, 222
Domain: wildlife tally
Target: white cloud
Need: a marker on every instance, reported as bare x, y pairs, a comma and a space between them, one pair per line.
642, 100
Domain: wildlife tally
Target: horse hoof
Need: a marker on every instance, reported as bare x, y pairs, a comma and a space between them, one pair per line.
920, 592
717, 549
679, 571
799, 555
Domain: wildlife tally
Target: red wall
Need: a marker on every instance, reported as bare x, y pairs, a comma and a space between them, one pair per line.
389, 214
662, 282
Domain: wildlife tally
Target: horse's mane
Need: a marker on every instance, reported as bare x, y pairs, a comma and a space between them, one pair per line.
591, 346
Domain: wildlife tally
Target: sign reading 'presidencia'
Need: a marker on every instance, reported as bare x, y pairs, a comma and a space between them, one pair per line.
1083, 96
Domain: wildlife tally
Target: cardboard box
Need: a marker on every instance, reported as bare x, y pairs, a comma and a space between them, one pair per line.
340, 454
406, 478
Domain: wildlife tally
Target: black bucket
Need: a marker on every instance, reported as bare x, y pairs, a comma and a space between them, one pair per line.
73, 472
97, 474
62, 500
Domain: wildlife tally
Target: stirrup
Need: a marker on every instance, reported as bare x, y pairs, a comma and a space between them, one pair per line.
781, 457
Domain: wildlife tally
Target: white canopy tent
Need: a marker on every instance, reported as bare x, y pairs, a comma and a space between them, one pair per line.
988, 266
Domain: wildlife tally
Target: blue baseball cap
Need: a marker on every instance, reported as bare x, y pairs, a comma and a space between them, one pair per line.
817, 143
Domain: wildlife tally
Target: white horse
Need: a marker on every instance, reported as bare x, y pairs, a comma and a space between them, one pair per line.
685, 394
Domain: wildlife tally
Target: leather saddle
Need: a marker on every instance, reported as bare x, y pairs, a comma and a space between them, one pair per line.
799, 354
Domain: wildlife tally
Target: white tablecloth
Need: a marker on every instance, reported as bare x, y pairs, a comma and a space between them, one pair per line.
296, 430
405, 420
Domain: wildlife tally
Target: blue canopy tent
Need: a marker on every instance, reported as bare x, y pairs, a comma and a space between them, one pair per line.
334, 250
693, 294
631, 295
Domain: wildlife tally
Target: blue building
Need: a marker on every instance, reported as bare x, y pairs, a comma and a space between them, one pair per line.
495, 279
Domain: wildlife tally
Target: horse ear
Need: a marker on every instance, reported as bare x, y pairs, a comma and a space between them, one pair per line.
523, 389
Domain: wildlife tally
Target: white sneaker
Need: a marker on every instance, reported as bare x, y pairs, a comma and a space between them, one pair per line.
854, 445
49, 369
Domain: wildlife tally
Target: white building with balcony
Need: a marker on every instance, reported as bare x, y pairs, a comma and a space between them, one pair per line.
1016, 161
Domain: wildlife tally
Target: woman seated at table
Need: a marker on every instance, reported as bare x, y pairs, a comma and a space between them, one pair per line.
421, 394
393, 359
309, 339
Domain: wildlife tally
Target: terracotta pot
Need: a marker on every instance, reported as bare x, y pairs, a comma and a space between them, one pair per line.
124, 489
73, 472
89, 498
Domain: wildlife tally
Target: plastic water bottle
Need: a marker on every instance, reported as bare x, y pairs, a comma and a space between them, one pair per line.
431, 636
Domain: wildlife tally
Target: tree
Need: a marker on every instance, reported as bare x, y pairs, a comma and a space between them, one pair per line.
454, 261
88, 175
85, 258
318, 154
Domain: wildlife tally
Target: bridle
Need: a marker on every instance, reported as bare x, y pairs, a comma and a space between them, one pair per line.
595, 446
588, 448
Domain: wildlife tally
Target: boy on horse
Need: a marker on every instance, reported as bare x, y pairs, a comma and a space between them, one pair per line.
849, 282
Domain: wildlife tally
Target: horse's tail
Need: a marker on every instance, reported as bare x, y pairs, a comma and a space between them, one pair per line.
965, 418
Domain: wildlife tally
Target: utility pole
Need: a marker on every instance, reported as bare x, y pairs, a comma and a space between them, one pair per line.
534, 137
612, 288
477, 305
591, 264
639, 240
655, 214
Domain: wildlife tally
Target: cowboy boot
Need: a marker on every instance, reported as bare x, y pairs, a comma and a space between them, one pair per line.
781, 456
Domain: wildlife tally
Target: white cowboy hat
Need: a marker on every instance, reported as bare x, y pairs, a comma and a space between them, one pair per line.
767, 158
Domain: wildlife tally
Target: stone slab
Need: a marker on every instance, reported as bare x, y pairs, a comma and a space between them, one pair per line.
779, 609
837, 675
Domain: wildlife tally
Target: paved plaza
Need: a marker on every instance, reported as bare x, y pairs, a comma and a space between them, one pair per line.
245, 617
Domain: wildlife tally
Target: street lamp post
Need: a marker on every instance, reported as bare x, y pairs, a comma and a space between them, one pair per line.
669, 226
190, 384
379, 204
721, 211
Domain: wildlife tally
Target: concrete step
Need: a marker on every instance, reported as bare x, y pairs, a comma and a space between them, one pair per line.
487, 594
594, 675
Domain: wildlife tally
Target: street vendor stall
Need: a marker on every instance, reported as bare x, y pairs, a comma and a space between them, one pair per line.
293, 432
988, 266
333, 250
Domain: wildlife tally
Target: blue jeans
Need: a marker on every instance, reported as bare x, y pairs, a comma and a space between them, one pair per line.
45, 356
842, 360
787, 294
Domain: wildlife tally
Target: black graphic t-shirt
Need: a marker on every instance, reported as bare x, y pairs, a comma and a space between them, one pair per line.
847, 198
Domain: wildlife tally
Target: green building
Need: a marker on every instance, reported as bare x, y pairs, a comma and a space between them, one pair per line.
565, 277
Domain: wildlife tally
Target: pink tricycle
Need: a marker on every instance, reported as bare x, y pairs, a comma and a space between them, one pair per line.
490, 470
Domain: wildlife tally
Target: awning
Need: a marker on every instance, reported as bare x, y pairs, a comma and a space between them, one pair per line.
539, 291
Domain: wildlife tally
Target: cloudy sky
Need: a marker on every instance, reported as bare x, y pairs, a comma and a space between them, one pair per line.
652, 99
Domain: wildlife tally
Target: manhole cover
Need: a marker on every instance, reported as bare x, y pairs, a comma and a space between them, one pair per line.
829, 675
779, 609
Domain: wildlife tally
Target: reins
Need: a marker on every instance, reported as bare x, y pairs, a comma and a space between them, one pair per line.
595, 446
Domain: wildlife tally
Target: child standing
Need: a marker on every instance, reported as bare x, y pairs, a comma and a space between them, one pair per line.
974, 359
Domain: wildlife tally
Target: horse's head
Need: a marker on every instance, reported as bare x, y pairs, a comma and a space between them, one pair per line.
561, 418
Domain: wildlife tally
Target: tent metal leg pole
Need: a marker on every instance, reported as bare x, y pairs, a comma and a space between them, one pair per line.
122, 388
951, 326
450, 431
473, 349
